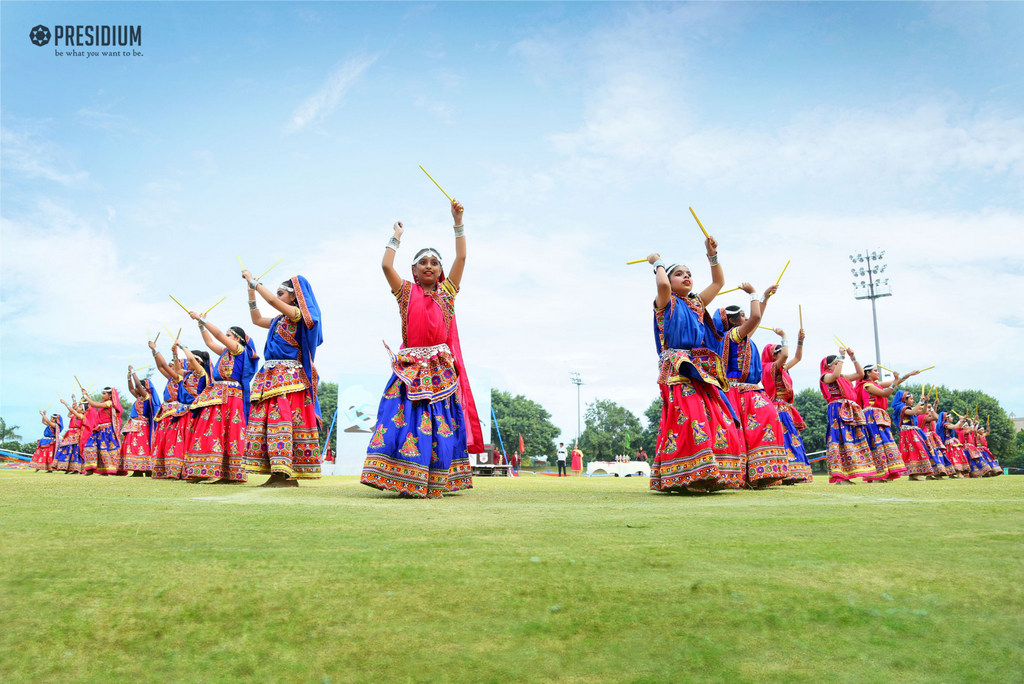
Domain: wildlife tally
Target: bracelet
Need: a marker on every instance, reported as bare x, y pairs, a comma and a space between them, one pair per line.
202, 323
460, 231
799, 343
253, 284
754, 297
661, 263
394, 243
713, 258
783, 343
252, 305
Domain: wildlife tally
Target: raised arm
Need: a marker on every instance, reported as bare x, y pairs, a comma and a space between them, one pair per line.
769, 291
859, 372
134, 386
717, 274
71, 409
388, 262
750, 325
194, 363
161, 365
288, 310
799, 355
661, 281
459, 265
216, 340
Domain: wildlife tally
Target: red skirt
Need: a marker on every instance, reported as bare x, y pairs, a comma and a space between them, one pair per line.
767, 457
914, 451
282, 437
698, 442
136, 454
217, 443
169, 444
42, 458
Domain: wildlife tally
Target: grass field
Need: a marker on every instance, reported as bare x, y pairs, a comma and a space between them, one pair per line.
529, 579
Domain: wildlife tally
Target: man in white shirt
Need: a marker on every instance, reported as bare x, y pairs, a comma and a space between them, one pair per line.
562, 454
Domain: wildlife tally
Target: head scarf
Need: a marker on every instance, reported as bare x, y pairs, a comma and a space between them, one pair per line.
784, 393
897, 406
844, 385
309, 335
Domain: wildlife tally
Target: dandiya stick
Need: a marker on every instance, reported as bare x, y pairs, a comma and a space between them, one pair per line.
841, 342
800, 310
79, 382
699, 223
783, 272
265, 272
635, 261
212, 307
240, 263
728, 291
172, 334
437, 184
157, 337
136, 370
762, 327
179, 304
924, 369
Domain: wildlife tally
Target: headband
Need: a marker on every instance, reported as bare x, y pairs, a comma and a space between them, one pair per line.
427, 252
286, 288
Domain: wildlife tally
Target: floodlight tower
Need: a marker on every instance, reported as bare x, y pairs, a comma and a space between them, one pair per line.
872, 288
574, 378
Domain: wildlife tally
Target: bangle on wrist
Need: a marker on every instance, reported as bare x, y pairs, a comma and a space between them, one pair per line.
394, 243
783, 343
713, 259
754, 297
252, 305
460, 231
660, 263
253, 284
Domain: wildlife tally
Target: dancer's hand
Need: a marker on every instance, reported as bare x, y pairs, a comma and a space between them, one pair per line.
711, 245
457, 210
399, 229
748, 288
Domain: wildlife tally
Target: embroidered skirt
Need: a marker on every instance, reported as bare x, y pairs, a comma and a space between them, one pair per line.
282, 435
914, 451
42, 458
885, 454
418, 446
102, 452
798, 465
217, 442
767, 458
698, 442
848, 454
957, 457
979, 465
68, 456
136, 454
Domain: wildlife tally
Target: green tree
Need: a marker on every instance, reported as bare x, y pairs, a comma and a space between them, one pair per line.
1017, 460
521, 416
649, 437
1001, 440
328, 395
9, 433
610, 430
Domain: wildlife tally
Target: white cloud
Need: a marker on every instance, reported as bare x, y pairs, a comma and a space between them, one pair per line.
323, 103
25, 155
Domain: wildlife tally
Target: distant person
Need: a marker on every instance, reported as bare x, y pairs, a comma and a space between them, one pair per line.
562, 454
849, 456
577, 460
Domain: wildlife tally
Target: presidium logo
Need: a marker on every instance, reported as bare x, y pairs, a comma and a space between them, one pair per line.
89, 36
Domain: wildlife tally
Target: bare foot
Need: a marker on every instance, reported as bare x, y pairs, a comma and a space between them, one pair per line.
280, 480
226, 480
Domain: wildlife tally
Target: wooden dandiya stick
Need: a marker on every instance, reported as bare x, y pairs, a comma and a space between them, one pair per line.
728, 291
265, 272
240, 263
184, 308
841, 343
437, 184
699, 223
157, 337
800, 310
635, 261
136, 370
783, 272
762, 327
172, 334
884, 368
212, 307
924, 369
79, 382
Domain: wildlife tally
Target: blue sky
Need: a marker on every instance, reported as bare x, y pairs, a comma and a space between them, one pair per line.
576, 134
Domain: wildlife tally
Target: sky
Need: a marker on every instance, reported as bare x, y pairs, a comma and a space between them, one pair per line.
575, 134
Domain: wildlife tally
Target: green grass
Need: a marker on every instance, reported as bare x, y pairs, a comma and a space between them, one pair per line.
530, 579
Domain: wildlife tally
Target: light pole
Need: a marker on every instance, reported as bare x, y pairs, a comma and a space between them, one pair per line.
574, 378
873, 287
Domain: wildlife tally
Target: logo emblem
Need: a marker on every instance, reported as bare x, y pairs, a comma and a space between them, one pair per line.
40, 35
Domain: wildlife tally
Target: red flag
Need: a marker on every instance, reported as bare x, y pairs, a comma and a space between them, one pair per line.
522, 447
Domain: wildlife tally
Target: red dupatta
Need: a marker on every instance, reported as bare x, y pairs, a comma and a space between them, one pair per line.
845, 388
430, 320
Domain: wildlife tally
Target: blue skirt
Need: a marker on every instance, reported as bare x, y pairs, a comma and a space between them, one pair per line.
418, 446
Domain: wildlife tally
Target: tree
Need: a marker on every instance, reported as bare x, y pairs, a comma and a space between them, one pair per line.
9, 434
610, 430
1001, 441
649, 437
328, 395
521, 416
1017, 460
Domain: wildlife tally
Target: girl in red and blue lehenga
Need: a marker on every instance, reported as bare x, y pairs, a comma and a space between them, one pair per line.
217, 443
426, 422
283, 436
137, 437
913, 445
699, 447
172, 420
982, 436
763, 436
946, 429
941, 466
848, 454
102, 451
42, 459
68, 457
873, 395
778, 386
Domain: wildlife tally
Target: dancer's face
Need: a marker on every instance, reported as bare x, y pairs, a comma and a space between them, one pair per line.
427, 270
286, 296
681, 281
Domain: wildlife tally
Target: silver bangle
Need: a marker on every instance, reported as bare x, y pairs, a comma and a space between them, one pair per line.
394, 243
253, 284
783, 343
713, 259
252, 305
460, 231
754, 297
661, 263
